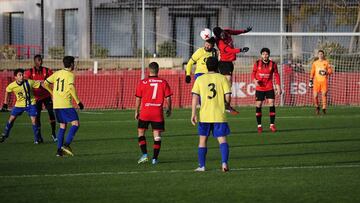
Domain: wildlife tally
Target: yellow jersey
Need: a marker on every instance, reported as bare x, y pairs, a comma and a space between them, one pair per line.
320, 70
63, 89
24, 92
212, 88
199, 57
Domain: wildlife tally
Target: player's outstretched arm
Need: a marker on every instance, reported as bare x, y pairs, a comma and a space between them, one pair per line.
238, 32
194, 103
245, 49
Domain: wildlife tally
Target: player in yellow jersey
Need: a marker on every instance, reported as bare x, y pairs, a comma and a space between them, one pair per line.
214, 91
319, 75
199, 57
63, 91
25, 101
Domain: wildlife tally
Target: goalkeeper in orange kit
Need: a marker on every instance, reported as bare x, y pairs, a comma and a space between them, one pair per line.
319, 75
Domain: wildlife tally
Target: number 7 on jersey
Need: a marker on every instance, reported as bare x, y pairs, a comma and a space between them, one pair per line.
155, 85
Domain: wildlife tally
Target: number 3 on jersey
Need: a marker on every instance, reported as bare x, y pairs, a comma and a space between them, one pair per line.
155, 85
213, 90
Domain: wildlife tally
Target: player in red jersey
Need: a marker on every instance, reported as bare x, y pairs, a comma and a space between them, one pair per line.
42, 96
225, 44
151, 93
227, 53
263, 72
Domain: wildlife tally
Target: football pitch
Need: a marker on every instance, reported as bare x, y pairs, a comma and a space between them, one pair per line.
310, 159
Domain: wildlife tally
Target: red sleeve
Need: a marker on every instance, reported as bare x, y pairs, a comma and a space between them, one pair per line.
27, 74
234, 32
276, 74
168, 92
253, 74
139, 90
225, 48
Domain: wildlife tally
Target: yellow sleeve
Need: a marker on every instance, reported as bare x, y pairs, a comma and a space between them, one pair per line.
196, 88
9, 88
50, 79
47, 83
74, 94
194, 58
72, 89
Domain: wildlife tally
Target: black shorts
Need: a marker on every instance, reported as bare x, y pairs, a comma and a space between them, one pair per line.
262, 95
226, 68
158, 126
47, 103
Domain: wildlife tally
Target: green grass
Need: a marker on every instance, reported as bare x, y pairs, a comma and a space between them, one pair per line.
310, 159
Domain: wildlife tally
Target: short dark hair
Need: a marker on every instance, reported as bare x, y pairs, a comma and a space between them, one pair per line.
217, 31
68, 61
38, 56
211, 41
154, 67
19, 70
212, 64
320, 50
267, 50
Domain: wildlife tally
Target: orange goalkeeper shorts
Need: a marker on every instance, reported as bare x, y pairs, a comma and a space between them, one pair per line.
320, 87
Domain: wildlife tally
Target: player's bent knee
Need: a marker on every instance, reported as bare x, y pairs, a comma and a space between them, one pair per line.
221, 139
76, 123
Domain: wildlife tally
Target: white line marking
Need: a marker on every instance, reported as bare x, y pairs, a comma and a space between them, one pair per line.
129, 120
181, 171
91, 112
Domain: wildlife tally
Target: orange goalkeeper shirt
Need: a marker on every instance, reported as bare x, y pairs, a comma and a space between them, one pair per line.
320, 71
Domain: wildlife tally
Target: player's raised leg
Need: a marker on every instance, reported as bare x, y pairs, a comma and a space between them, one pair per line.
70, 136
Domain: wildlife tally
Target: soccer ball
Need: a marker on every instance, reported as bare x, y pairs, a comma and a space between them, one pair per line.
206, 34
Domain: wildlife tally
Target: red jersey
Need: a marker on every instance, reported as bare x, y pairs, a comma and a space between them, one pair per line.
152, 91
226, 45
264, 72
41, 75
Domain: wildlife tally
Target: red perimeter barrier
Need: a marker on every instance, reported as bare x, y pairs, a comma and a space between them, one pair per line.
116, 89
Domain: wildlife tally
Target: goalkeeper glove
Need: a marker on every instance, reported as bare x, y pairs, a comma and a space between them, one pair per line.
248, 29
4, 107
311, 83
188, 79
81, 105
245, 49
